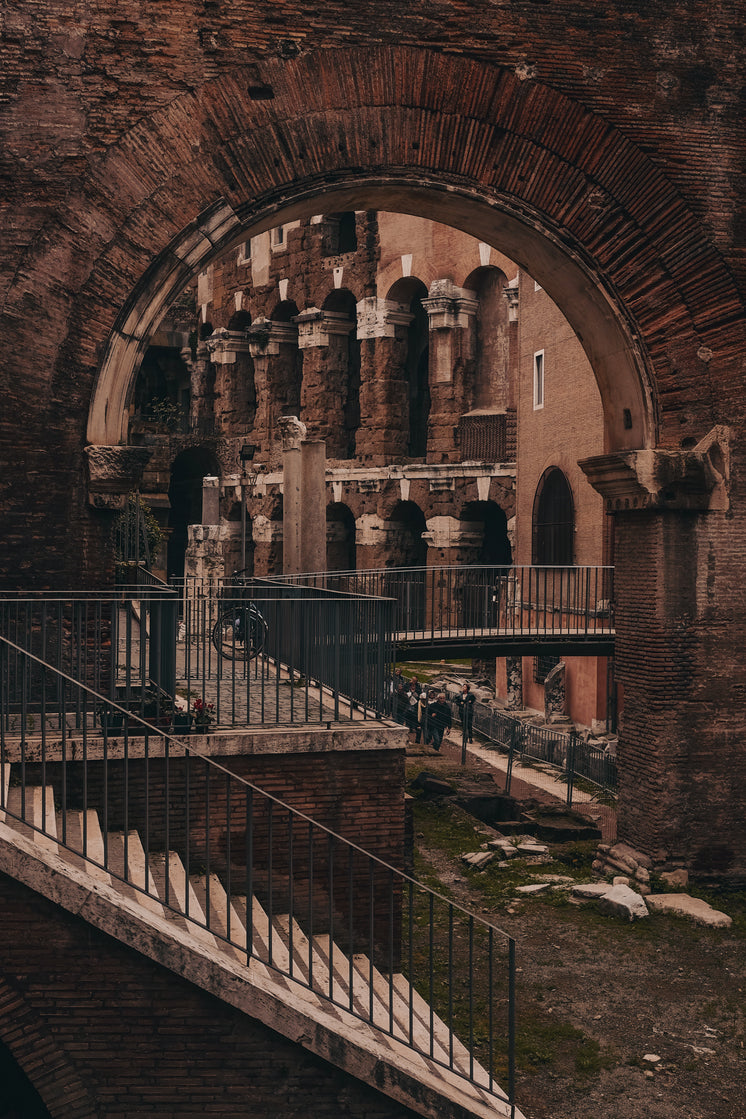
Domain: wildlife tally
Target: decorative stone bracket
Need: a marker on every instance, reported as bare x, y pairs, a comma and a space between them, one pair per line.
113, 473
696, 479
224, 345
448, 306
317, 328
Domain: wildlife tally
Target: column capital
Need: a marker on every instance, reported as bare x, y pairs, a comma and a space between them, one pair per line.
382, 318
657, 479
449, 306
223, 345
317, 327
266, 336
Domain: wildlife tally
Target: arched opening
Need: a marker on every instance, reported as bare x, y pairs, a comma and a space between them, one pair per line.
18, 1099
241, 320
406, 546
491, 390
553, 523
340, 538
410, 292
487, 526
185, 497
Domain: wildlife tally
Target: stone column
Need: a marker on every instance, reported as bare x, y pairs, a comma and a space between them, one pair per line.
451, 311
313, 505
323, 337
293, 432
384, 403
274, 348
679, 654
210, 501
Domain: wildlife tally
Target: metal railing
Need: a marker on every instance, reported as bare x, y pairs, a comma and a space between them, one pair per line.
323, 658
568, 754
435, 603
279, 887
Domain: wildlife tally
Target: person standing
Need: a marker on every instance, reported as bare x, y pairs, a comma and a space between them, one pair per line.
438, 720
466, 703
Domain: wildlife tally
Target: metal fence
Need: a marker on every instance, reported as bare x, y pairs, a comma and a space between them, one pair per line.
276, 886
587, 771
170, 657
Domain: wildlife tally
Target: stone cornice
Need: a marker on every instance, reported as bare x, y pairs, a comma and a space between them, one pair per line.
657, 479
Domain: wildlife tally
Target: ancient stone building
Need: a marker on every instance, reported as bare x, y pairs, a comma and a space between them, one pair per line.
438, 450
601, 147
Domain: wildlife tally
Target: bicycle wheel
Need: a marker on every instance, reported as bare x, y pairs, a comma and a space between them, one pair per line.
229, 633
257, 631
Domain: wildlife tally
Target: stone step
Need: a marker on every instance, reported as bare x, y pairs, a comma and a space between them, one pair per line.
128, 864
4, 786
36, 808
225, 922
180, 901
81, 832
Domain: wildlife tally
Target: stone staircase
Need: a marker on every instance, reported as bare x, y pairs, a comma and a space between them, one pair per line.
377, 1027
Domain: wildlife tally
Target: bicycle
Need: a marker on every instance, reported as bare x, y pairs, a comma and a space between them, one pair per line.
240, 631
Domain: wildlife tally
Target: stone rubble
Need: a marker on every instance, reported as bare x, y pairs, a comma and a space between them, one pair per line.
628, 895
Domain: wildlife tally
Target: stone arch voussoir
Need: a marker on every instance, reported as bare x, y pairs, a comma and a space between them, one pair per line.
556, 187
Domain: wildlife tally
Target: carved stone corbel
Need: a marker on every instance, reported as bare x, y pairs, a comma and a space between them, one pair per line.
113, 473
655, 479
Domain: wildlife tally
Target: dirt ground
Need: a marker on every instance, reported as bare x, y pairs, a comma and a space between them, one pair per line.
597, 995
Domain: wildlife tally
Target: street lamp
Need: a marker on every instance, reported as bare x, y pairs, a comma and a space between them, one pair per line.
248, 478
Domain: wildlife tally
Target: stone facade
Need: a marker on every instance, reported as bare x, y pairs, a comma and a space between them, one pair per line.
602, 146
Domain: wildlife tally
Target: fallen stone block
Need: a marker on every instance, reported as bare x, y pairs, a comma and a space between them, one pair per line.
478, 859
621, 901
682, 905
624, 851
535, 888
591, 889
532, 849
620, 880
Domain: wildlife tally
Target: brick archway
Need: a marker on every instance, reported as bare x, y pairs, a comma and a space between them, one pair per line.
579, 205
634, 260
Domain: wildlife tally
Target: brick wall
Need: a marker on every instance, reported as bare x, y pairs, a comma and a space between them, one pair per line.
101, 1030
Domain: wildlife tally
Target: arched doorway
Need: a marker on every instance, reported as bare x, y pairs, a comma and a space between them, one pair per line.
340, 537
410, 292
185, 497
553, 525
19, 1099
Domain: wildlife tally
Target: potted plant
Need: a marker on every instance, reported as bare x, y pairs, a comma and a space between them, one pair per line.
204, 715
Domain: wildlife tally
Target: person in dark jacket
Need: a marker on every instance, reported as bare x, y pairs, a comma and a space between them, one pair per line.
466, 711
438, 720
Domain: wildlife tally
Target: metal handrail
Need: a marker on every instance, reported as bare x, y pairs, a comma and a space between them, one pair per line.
265, 851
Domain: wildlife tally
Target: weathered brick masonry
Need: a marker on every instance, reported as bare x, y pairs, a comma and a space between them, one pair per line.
602, 146
101, 1030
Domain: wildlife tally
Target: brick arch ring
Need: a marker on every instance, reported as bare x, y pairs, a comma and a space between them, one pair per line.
516, 164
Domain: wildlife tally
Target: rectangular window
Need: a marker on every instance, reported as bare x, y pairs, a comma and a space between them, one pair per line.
277, 237
244, 252
538, 380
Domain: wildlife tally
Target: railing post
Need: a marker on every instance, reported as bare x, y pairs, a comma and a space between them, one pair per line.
571, 743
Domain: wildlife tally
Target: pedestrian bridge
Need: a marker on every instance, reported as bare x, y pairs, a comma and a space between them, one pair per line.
488, 610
